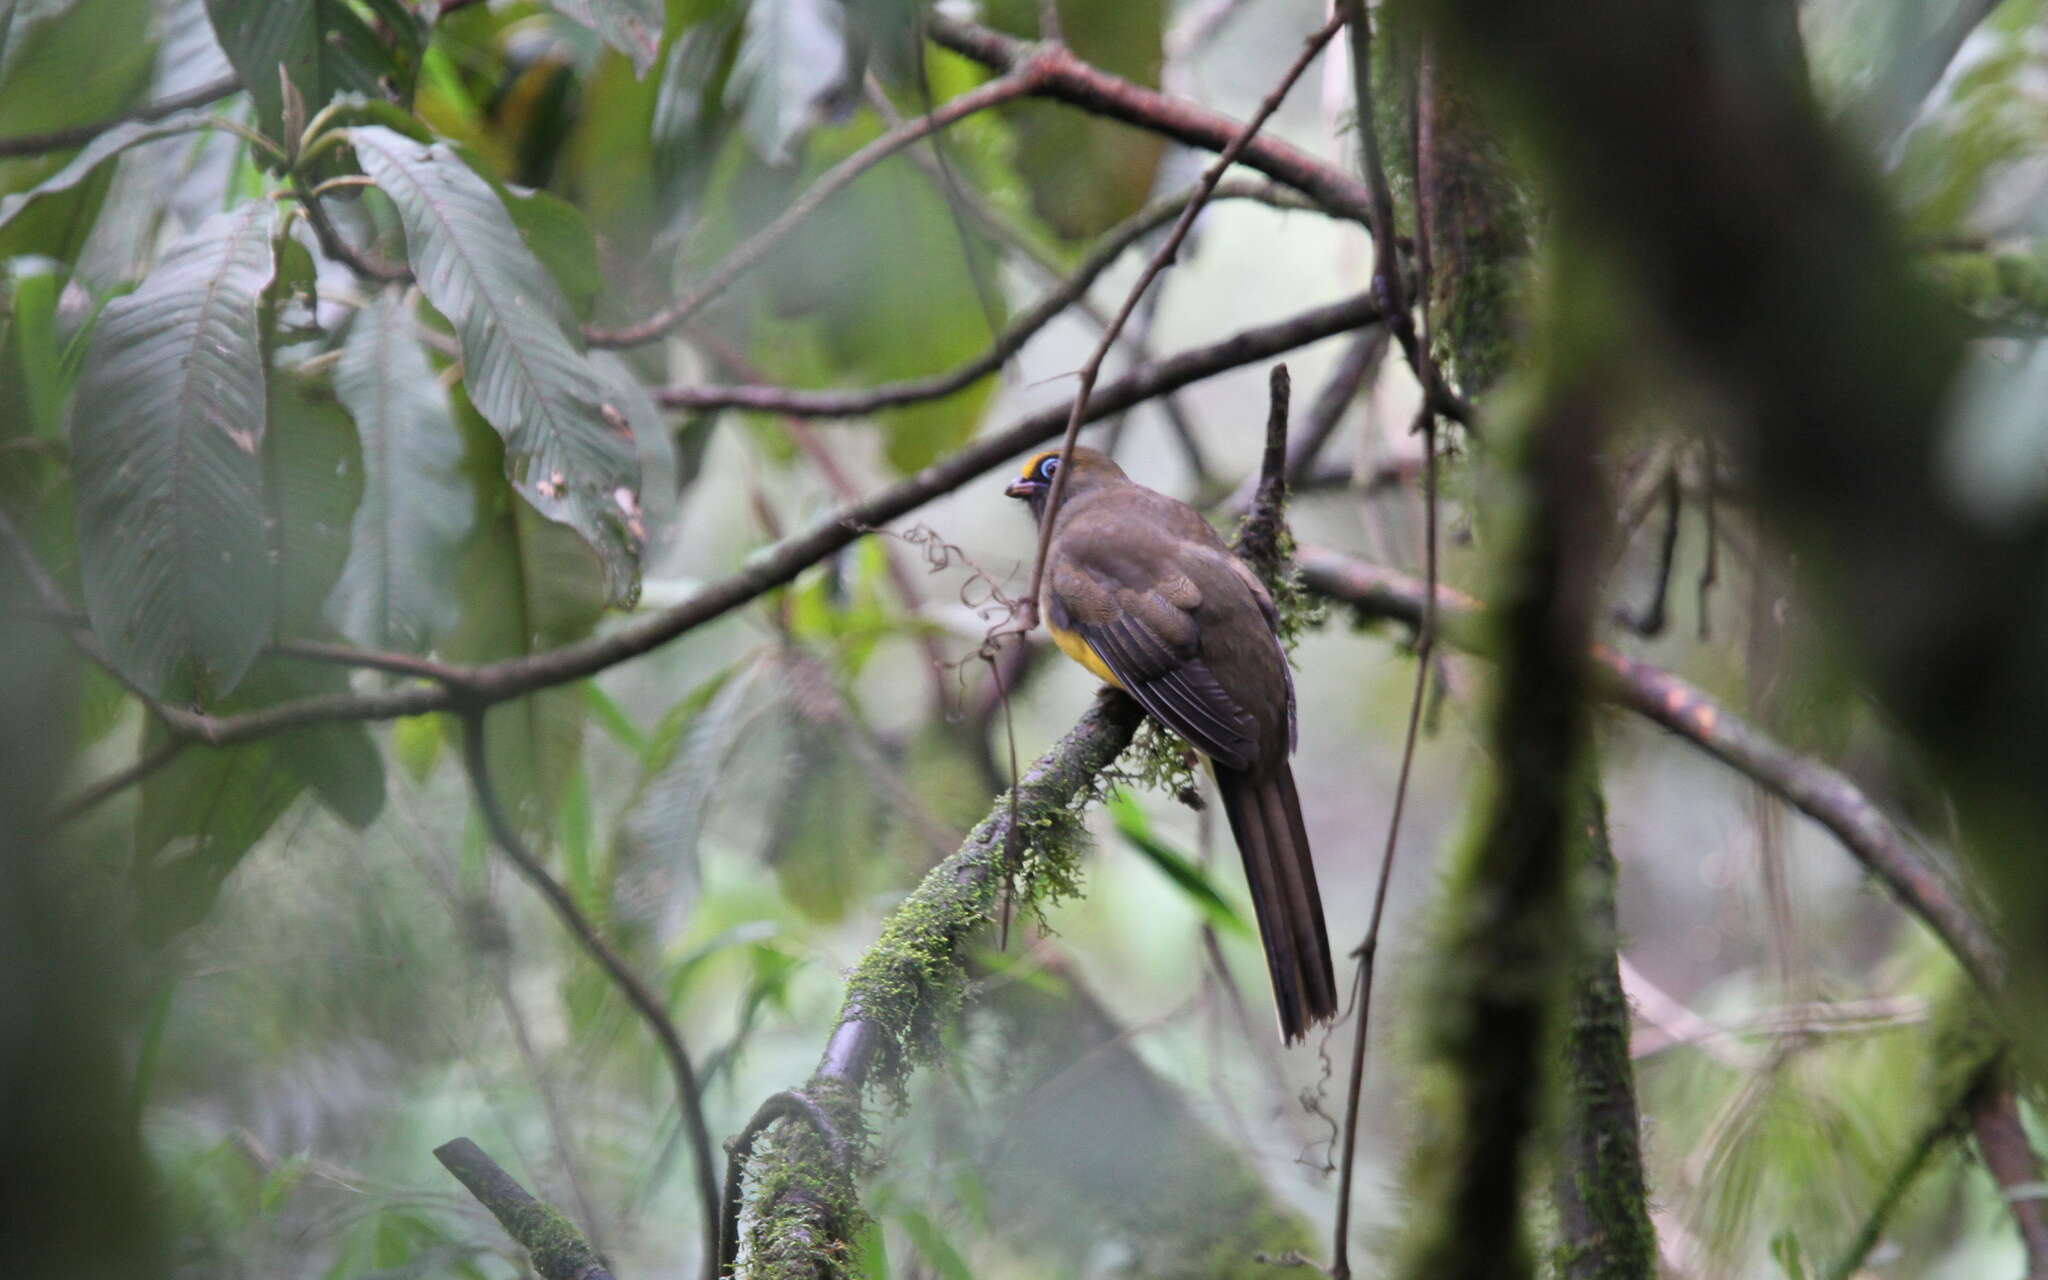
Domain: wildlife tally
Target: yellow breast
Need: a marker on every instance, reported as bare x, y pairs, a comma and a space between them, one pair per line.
1071, 644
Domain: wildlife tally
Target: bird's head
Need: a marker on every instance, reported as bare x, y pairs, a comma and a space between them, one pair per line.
1089, 469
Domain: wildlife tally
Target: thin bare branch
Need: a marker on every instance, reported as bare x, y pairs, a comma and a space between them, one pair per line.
1814, 788
558, 1250
689, 1091
77, 135
857, 402
1065, 78
1022, 80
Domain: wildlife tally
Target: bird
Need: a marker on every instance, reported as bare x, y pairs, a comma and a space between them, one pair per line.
1140, 590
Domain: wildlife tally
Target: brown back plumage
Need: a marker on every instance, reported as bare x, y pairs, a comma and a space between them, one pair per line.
1141, 590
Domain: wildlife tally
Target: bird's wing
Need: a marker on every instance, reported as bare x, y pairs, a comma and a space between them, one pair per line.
1146, 634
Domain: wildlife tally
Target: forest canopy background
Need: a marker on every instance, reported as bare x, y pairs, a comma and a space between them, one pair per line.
503, 538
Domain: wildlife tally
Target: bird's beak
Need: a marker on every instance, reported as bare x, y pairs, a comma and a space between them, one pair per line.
1022, 487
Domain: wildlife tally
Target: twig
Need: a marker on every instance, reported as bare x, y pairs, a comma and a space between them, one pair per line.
1368, 948
338, 248
790, 1104
689, 1093
1024, 79
1994, 1111
1710, 566
857, 402
92, 794
1161, 258
77, 135
1814, 788
1326, 412
558, 1250
1260, 539
488, 684
1650, 622
1066, 78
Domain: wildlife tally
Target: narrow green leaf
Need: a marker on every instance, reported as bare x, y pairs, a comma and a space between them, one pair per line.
633, 27
324, 46
35, 337
1185, 872
612, 718
565, 450
166, 445
398, 589
933, 1245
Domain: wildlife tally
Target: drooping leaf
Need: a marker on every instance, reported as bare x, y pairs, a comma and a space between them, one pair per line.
398, 589
167, 441
524, 367
316, 473
1087, 174
525, 585
88, 160
791, 65
633, 27
198, 817
324, 46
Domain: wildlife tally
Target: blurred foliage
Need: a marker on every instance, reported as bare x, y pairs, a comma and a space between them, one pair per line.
251, 993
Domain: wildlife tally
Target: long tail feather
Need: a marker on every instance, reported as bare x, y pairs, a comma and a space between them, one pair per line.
1265, 816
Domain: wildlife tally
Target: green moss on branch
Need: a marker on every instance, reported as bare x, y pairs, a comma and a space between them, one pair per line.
908, 987
1603, 1209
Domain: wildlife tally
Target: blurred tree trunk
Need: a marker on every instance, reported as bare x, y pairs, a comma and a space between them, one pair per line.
1603, 1208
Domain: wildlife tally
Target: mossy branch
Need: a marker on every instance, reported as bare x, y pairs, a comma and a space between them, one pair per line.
1603, 1209
1507, 934
906, 990
558, 1249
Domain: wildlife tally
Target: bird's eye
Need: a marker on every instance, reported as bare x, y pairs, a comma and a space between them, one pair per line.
1047, 467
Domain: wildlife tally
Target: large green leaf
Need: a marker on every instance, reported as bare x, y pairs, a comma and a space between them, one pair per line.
791, 63
1087, 174
166, 442
316, 475
63, 70
633, 27
324, 46
886, 281
526, 586
201, 814
82, 166
398, 589
526, 371
70, 63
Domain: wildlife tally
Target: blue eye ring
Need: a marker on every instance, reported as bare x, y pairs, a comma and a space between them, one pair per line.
1048, 466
